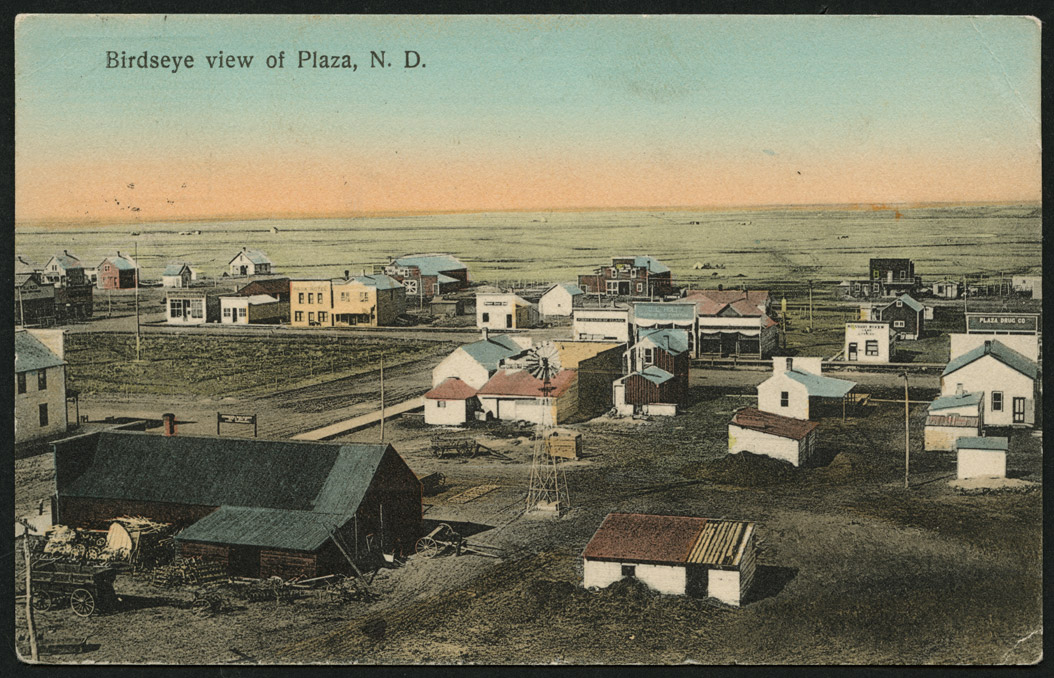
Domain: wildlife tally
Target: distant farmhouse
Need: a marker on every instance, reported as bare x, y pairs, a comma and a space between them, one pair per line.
177, 275
428, 275
34, 299
249, 262
73, 290
886, 278
119, 272
635, 276
40, 384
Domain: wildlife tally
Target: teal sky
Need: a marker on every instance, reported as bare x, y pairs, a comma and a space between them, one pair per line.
574, 107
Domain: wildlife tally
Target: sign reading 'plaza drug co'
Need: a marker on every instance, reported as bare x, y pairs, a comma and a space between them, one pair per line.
1014, 323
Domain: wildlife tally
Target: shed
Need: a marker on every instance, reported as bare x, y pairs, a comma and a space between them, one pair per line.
677, 555
981, 457
559, 300
451, 403
772, 435
564, 443
176, 275
952, 417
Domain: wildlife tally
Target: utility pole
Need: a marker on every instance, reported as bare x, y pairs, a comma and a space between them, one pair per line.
907, 439
382, 397
810, 305
136, 271
21, 308
966, 293
33, 652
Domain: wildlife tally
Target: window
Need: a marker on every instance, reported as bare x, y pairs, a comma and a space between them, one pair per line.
42, 380
640, 287
997, 401
784, 399
789, 363
364, 296
903, 275
175, 308
243, 312
318, 298
345, 296
1019, 410
629, 570
486, 317
21, 382
440, 403
899, 324
310, 297
649, 356
900, 304
875, 274
298, 316
871, 347
43, 414
300, 298
322, 316
227, 312
311, 316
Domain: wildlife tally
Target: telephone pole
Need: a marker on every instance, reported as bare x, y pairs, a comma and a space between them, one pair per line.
136, 271
907, 439
33, 652
382, 397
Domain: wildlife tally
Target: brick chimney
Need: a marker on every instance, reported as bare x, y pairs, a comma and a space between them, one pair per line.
169, 421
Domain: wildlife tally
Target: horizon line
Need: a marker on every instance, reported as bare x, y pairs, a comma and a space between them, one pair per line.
847, 206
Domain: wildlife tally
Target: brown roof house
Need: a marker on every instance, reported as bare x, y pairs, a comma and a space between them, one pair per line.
772, 435
678, 555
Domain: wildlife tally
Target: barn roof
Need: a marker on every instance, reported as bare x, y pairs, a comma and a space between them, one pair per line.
523, 383
664, 311
32, 354
211, 471
670, 540
973, 443
674, 341
963, 400
819, 386
431, 264
263, 527
773, 424
491, 351
1000, 352
272, 286
255, 256
451, 388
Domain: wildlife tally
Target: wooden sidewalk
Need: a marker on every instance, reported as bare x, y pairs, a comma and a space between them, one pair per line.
362, 421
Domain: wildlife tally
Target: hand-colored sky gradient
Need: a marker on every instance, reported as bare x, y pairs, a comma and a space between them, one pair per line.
524, 113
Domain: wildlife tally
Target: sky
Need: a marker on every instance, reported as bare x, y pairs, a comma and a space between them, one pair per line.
522, 113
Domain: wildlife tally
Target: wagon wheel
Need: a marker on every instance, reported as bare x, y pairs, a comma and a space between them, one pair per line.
99, 540
201, 606
94, 553
42, 602
82, 602
427, 547
79, 550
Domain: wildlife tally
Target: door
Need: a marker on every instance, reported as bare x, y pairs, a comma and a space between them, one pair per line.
508, 320
245, 561
245, 270
851, 353
1019, 410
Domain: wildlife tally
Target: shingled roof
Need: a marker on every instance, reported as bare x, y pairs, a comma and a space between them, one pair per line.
32, 354
773, 424
1000, 352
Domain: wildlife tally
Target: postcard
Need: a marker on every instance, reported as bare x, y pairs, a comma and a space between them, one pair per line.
527, 340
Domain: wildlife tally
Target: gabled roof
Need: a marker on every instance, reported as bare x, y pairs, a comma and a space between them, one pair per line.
572, 289
378, 280
32, 354
491, 351
514, 299
655, 375
23, 265
907, 301
1000, 352
431, 264
272, 286
773, 424
953, 420
67, 261
263, 527
669, 540
819, 386
974, 443
175, 269
654, 310
120, 262
211, 471
672, 340
756, 297
255, 256
253, 299
522, 383
651, 263
451, 388
964, 400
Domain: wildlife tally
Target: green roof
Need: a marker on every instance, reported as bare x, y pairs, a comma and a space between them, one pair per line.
909, 302
1000, 352
655, 375
378, 280
431, 264
262, 527
32, 354
664, 311
973, 443
819, 386
490, 352
673, 341
210, 471
651, 263
964, 400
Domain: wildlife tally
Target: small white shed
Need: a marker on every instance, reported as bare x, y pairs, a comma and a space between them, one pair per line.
559, 300
772, 435
868, 342
981, 457
952, 417
677, 555
451, 403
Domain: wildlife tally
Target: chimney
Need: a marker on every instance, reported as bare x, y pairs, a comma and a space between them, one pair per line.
959, 390
66, 252
486, 334
363, 272
347, 274
987, 345
169, 421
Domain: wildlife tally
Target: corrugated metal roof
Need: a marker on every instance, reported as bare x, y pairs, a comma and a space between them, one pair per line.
664, 311
490, 352
643, 538
672, 340
975, 443
819, 386
431, 264
773, 424
655, 375
32, 354
651, 263
379, 280
1000, 352
210, 471
953, 420
451, 388
720, 543
523, 383
265, 528
964, 400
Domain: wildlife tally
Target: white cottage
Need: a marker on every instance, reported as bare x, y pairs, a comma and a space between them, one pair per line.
250, 262
981, 458
677, 555
504, 311
952, 417
785, 438
1007, 379
477, 362
796, 384
176, 275
559, 300
869, 342
451, 403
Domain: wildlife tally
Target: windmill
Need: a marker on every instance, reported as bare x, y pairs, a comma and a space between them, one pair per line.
548, 488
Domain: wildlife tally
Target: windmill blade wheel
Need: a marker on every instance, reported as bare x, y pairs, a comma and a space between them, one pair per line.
427, 547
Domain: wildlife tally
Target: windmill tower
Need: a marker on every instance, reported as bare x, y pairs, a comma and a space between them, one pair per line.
547, 490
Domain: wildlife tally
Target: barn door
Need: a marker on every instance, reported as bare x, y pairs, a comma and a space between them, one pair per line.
245, 561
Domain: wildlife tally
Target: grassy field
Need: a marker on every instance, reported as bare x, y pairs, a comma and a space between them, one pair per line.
215, 366
771, 245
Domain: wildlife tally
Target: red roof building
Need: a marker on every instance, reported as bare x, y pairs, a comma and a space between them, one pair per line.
452, 388
773, 435
516, 395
